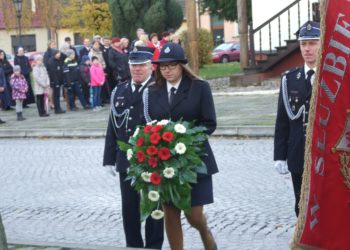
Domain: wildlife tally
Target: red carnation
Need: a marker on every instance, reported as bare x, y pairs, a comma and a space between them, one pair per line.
147, 129
153, 162
155, 138
157, 128
140, 156
164, 154
168, 136
155, 178
140, 141
152, 150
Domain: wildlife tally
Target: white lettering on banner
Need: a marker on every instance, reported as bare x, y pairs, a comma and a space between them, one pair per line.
334, 68
335, 61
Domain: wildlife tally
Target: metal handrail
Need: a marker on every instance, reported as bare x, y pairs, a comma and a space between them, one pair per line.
275, 16
268, 23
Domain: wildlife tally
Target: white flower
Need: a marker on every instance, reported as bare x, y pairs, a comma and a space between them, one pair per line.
163, 122
129, 154
179, 128
157, 214
137, 130
169, 173
153, 195
146, 176
152, 122
180, 148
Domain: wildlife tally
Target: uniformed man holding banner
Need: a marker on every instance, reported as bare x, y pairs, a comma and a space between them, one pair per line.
293, 109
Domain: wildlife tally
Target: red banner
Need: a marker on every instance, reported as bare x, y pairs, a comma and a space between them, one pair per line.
324, 221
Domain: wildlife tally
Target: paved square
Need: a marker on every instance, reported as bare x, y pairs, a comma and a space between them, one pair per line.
56, 190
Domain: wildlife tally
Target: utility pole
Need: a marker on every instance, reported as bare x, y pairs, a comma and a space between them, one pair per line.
192, 34
243, 32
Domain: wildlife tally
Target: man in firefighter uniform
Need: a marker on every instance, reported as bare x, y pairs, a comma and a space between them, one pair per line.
126, 114
293, 109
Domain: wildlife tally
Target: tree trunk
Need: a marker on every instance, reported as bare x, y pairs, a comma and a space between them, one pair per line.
192, 35
243, 32
3, 242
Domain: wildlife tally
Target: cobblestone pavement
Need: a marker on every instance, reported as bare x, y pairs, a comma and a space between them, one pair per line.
56, 191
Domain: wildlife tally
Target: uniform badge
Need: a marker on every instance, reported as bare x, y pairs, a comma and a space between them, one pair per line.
298, 75
296, 99
167, 50
117, 104
309, 27
293, 108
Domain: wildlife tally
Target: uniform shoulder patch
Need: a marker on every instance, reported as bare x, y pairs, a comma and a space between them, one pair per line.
289, 71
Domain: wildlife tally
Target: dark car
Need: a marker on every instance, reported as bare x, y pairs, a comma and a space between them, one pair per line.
226, 52
78, 47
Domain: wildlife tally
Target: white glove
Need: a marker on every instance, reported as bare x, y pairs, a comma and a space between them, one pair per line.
281, 167
111, 170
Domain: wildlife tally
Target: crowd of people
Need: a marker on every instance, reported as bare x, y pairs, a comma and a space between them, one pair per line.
88, 75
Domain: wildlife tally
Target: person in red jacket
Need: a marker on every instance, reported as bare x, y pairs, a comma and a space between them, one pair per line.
155, 44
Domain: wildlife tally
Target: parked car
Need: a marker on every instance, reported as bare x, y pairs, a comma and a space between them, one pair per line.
31, 55
78, 47
10, 58
226, 52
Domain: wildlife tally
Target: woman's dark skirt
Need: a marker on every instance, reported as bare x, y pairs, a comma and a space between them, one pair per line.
202, 191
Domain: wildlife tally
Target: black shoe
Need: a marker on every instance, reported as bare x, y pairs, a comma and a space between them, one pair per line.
44, 115
20, 116
2, 122
60, 111
26, 107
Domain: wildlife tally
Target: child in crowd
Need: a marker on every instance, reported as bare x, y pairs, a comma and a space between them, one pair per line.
97, 79
41, 85
85, 77
19, 90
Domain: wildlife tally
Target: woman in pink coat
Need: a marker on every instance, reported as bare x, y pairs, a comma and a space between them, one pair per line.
97, 79
19, 90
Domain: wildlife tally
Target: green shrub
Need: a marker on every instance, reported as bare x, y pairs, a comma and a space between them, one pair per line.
205, 45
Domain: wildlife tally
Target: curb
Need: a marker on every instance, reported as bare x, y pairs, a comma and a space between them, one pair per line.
235, 131
64, 246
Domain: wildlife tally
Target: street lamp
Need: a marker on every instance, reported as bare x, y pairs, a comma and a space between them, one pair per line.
18, 6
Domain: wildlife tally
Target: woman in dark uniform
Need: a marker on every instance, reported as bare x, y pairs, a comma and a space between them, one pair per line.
178, 93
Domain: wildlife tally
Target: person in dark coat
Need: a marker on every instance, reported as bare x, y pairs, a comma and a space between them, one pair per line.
108, 87
2, 88
180, 94
118, 62
7, 100
71, 76
126, 114
292, 110
48, 53
55, 70
68, 41
26, 68
86, 49
84, 68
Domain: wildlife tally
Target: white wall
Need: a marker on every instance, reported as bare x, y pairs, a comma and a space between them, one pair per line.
41, 38
262, 10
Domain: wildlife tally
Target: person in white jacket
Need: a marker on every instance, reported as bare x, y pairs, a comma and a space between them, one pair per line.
41, 85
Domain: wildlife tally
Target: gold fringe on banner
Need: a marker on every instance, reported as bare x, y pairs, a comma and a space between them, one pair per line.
305, 189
